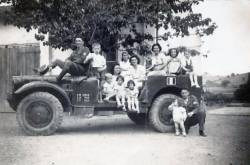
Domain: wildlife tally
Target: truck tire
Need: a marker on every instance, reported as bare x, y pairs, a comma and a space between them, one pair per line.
139, 119
160, 118
39, 113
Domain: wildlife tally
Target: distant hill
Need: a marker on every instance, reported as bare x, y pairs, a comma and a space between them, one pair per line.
234, 80
224, 84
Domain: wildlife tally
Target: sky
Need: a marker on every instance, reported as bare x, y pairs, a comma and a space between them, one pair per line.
229, 46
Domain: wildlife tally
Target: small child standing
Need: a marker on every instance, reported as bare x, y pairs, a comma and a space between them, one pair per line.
120, 92
179, 116
108, 87
98, 65
98, 61
132, 96
188, 68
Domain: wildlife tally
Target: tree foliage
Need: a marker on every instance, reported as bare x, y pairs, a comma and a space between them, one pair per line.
225, 83
104, 20
243, 93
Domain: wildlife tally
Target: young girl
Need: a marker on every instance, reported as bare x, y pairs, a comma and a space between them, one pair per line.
132, 96
187, 67
179, 116
120, 92
108, 87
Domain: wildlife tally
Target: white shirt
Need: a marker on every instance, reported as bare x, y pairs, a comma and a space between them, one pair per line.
179, 113
159, 61
99, 61
120, 89
137, 74
108, 88
124, 65
174, 65
132, 93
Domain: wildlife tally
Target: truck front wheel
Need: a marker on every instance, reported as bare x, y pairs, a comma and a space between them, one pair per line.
39, 113
160, 118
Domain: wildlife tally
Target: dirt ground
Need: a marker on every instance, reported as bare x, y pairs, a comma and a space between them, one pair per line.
116, 140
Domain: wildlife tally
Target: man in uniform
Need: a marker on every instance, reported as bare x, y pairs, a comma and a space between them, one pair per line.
73, 64
196, 113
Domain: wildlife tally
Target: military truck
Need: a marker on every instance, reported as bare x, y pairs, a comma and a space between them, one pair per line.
40, 101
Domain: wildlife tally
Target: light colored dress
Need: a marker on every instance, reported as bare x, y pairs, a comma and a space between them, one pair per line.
108, 89
124, 65
138, 75
179, 114
174, 66
158, 63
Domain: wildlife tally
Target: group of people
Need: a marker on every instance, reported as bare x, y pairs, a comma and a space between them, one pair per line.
160, 64
128, 77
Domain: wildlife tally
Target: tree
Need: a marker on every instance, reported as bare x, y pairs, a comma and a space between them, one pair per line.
225, 83
104, 20
243, 93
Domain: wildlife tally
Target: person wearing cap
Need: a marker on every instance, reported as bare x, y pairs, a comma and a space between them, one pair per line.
73, 64
196, 113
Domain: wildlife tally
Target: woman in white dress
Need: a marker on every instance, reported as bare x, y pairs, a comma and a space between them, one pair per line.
158, 61
137, 72
174, 64
124, 63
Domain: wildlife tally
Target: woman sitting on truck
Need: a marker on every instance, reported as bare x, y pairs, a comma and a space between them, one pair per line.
158, 61
174, 64
136, 71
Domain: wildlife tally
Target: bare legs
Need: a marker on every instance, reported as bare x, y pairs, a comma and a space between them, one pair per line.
194, 80
133, 104
182, 128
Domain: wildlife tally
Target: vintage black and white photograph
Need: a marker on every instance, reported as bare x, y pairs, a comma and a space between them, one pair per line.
124, 82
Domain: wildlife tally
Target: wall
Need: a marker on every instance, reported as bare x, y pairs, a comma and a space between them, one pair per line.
13, 35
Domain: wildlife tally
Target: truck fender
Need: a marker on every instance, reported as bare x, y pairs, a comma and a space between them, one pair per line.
47, 87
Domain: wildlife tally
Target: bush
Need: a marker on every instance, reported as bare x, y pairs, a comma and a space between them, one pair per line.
243, 93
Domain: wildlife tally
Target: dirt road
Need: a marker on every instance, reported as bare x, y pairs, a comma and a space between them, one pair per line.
116, 140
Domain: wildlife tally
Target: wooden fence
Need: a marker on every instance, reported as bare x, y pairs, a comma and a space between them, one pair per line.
16, 60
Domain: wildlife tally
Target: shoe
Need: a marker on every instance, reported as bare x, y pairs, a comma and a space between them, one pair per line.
177, 133
184, 134
124, 109
202, 133
197, 86
42, 70
119, 106
106, 100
